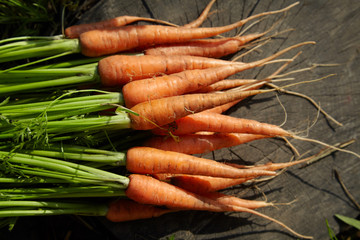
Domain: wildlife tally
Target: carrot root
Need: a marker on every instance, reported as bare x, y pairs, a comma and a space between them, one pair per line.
147, 160
127, 210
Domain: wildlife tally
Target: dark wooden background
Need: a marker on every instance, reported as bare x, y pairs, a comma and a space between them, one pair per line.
334, 25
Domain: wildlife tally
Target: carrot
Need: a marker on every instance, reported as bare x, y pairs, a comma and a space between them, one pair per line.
146, 160
214, 122
159, 112
122, 210
200, 143
147, 190
215, 48
203, 184
109, 41
188, 81
118, 70
76, 30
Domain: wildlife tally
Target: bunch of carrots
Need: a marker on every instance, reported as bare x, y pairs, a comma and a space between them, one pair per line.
124, 123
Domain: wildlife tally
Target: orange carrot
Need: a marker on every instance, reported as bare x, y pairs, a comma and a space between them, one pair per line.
118, 70
109, 41
215, 48
146, 160
75, 30
159, 112
214, 122
203, 184
188, 81
122, 210
199, 143
147, 190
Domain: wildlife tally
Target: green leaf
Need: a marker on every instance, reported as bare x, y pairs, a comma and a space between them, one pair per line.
350, 221
330, 231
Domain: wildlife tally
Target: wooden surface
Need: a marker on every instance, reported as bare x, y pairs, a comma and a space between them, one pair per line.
334, 25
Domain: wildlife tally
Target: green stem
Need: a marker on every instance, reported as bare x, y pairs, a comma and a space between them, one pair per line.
73, 179
55, 83
66, 192
61, 108
21, 38
55, 168
116, 160
46, 73
39, 61
41, 49
29, 180
56, 208
40, 161
117, 122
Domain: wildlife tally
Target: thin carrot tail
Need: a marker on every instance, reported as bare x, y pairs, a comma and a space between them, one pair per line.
279, 53
242, 209
246, 20
232, 200
222, 108
204, 184
197, 22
